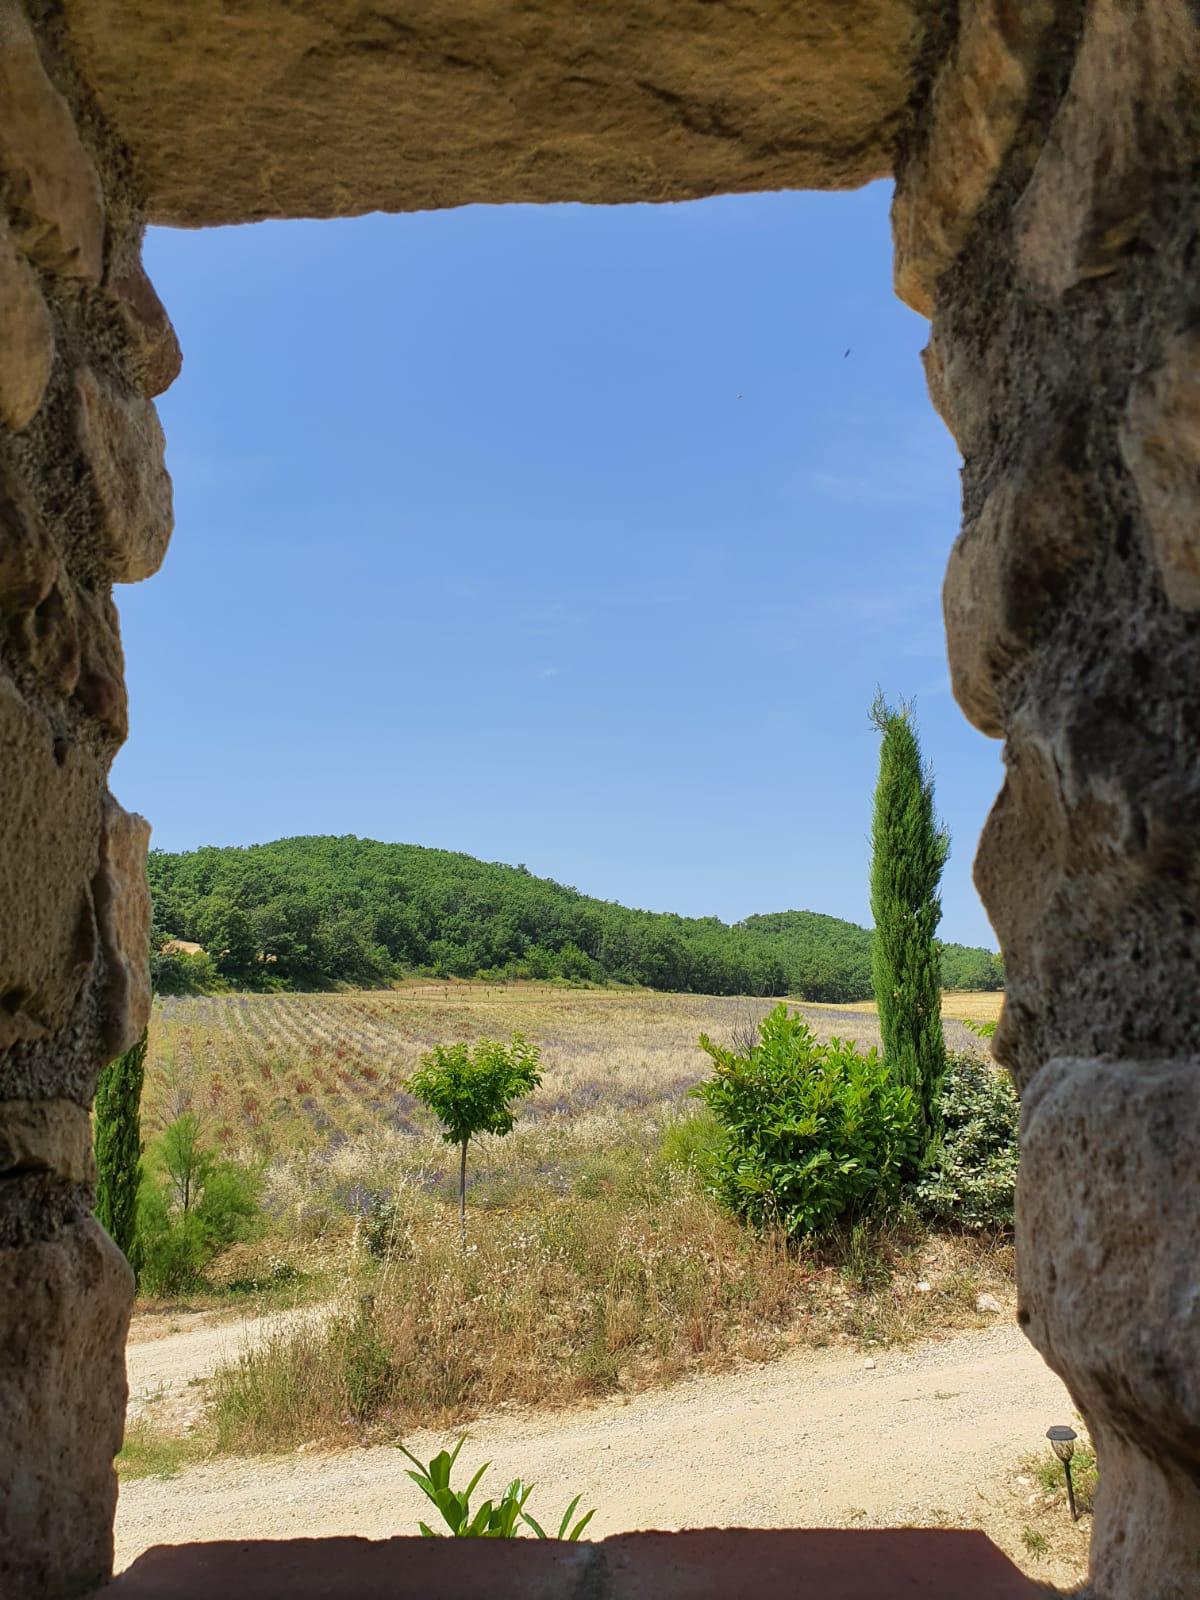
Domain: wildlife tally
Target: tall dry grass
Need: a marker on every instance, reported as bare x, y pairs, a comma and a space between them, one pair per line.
596, 1261
632, 1280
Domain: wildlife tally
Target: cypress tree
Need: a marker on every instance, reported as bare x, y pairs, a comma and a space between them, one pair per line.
908, 852
118, 1143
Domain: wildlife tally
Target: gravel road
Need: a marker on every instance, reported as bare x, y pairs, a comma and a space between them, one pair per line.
931, 1434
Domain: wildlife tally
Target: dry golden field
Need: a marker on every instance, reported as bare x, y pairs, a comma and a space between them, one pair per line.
291, 1072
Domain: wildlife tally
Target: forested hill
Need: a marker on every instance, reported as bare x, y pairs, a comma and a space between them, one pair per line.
320, 910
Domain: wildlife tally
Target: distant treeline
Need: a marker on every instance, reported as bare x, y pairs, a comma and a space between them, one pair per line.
313, 912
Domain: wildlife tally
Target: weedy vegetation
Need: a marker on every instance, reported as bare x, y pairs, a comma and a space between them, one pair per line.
502, 1519
601, 1255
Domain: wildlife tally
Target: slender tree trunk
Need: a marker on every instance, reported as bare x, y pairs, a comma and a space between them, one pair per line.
462, 1195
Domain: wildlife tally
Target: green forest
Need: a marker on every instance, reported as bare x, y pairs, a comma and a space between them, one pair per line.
313, 912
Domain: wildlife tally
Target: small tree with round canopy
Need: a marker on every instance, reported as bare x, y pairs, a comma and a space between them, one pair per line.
472, 1092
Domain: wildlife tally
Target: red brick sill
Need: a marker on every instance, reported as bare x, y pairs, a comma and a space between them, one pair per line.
716, 1564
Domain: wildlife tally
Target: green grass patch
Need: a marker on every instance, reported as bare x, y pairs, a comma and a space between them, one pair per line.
149, 1453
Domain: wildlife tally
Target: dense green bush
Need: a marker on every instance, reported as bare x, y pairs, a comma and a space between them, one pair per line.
973, 1171
190, 1207
182, 971
815, 1134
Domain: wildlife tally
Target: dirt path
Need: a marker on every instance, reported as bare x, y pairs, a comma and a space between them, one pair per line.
165, 1368
928, 1435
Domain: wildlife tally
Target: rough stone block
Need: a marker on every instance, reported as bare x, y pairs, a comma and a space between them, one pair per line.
1160, 441
1130, 109
123, 914
50, 636
1108, 1202
327, 109
28, 563
101, 683
26, 337
122, 442
51, 808
156, 349
979, 100
46, 1136
1009, 569
64, 1314
47, 176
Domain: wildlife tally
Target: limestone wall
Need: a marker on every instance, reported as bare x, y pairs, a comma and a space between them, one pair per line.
1049, 220
1046, 220
84, 501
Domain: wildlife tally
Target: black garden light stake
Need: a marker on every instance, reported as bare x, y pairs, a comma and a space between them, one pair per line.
1062, 1441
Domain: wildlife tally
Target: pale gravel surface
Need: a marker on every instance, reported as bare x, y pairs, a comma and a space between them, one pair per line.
931, 1434
165, 1368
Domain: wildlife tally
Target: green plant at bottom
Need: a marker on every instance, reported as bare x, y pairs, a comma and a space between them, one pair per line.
500, 1519
1036, 1543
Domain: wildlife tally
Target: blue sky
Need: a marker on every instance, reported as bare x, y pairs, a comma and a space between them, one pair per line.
563, 535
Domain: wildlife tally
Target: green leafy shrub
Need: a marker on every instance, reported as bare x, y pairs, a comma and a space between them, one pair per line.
815, 1134
972, 1172
501, 1519
184, 972
190, 1207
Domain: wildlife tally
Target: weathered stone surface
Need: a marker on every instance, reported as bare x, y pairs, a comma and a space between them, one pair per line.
26, 337
68, 634
122, 899
28, 562
37, 606
46, 175
52, 824
64, 1313
330, 109
1160, 441
979, 100
101, 683
1130, 109
1107, 1207
1090, 872
157, 355
46, 1135
1008, 572
122, 442
49, 635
